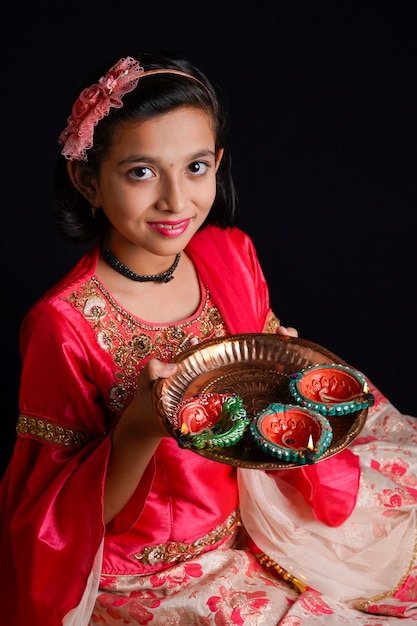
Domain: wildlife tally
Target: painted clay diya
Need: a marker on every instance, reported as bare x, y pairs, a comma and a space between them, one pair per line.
331, 389
210, 420
291, 433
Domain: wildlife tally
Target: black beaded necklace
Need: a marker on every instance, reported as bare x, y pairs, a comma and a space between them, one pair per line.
117, 265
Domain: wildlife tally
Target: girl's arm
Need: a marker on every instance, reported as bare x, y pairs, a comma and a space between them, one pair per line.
134, 441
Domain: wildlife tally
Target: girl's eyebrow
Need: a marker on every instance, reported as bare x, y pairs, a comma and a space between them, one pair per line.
135, 158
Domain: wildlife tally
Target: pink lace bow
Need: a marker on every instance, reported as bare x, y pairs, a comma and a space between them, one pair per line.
94, 103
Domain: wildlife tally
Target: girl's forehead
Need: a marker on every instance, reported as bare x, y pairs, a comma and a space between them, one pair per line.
181, 130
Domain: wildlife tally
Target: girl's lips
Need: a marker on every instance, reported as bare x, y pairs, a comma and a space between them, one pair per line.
170, 229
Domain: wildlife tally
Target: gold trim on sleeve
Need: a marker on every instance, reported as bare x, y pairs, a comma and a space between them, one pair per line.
49, 432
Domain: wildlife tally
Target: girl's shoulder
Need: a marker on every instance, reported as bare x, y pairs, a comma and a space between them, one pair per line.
213, 237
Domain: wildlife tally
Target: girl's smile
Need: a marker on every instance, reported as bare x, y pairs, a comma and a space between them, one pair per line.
170, 229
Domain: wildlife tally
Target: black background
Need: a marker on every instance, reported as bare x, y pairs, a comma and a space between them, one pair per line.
323, 135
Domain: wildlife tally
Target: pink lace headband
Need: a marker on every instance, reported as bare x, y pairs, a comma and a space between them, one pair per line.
96, 101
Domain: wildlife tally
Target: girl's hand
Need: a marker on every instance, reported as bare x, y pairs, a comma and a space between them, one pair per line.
140, 414
289, 331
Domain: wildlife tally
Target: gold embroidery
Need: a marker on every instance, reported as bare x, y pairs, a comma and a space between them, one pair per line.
179, 552
53, 433
131, 343
272, 323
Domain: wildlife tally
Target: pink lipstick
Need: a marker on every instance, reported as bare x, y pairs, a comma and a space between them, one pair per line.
170, 229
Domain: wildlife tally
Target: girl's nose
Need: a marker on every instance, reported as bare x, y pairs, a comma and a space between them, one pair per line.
173, 194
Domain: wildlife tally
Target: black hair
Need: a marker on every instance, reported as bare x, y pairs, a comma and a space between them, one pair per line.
154, 95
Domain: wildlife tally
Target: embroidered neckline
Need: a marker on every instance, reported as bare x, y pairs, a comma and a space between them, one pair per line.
204, 300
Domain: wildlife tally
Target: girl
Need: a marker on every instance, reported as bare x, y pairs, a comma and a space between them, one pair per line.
105, 519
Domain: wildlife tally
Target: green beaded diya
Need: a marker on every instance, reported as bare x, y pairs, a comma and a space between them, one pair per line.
210, 420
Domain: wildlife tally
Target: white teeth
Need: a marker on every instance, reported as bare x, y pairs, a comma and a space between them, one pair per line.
167, 226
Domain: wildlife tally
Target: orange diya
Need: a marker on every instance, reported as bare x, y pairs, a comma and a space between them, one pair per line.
291, 433
331, 389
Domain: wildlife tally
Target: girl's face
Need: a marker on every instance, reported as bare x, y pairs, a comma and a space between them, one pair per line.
158, 182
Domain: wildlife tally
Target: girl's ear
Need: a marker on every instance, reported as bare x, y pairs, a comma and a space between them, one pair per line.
219, 156
84, 181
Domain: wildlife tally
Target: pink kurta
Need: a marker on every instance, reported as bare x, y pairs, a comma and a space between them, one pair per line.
81, 353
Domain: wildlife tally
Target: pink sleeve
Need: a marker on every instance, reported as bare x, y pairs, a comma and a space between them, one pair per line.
51, 496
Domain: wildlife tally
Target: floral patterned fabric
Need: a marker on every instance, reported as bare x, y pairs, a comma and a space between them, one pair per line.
225, 586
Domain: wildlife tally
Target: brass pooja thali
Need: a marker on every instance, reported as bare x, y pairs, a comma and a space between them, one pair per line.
257, 367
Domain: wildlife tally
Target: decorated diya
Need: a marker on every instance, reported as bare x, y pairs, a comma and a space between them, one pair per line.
210, 420
291, 432
331, 389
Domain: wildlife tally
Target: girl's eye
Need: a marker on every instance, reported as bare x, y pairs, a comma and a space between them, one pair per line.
198, 168
141, 173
